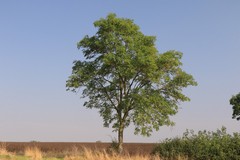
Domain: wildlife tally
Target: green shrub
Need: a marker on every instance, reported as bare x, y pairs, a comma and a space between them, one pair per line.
201, 146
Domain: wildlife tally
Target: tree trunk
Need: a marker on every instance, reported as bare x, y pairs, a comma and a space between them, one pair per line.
120, 139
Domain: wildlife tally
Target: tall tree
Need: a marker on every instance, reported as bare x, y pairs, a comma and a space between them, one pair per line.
235, 102
125, 77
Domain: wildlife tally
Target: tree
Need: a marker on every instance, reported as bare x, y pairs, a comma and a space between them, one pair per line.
125, 77
235, 102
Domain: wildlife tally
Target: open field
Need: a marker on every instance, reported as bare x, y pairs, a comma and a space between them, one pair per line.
61, 148
74, 151
203, 145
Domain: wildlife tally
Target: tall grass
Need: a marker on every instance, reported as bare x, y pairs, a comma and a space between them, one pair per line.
202, 146
88, 154
33, 152
3, 149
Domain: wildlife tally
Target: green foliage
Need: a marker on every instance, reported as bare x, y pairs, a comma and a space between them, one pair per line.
235, 102
125, 77
202, 146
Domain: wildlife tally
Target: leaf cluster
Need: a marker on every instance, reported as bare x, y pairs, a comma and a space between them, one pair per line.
235, 102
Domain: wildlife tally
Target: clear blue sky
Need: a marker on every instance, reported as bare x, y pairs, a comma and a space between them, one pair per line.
38, 45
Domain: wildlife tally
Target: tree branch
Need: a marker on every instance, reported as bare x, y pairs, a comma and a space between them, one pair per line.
109, 98
130, 86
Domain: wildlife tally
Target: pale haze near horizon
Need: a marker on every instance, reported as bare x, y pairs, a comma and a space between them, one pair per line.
38, 45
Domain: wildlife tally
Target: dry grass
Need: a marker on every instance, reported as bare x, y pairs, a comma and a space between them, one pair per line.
33, 152
88, 154
3, 149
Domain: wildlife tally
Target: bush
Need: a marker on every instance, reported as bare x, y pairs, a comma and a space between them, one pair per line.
201, 146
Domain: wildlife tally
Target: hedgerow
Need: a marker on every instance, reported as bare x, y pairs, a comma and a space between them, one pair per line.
204, 145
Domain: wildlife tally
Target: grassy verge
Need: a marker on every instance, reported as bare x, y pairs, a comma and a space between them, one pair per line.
34, 153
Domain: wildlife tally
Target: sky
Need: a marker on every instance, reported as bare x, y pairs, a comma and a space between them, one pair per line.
38, 45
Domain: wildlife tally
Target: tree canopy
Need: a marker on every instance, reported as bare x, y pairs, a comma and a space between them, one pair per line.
235, 102
127, 79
